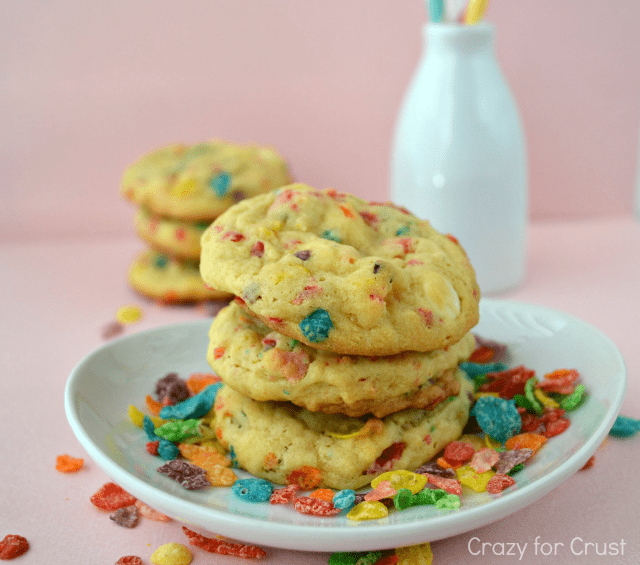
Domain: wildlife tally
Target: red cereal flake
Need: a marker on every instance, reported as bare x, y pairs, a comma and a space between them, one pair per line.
426, 315
452, 238
452, 486
387, 458
590, 463
223, 547
507, 383
152, 447
482, 354
315, 506
110, 497
13, 546
284, 495
306, 477
556, 427
499, 482
233, 236
129, 560
388, 560
218, 352
458, 453
67, 464
530, 422
369, 218
257, 250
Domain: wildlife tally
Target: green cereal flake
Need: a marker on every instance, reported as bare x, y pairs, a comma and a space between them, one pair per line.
573, 400
178, 430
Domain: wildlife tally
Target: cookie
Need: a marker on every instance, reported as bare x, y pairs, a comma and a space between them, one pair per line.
271, 440
199, 182
266, 365
342, 274
178, 238
169, 280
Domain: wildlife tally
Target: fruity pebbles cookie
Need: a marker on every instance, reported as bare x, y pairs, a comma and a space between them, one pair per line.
342, 274
272, 440
169, 280
199, 182
177, 238
266, 365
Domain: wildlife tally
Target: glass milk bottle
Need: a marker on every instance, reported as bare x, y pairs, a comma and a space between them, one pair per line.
459, 158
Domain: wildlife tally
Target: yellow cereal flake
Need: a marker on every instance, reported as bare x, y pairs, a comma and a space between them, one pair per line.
415, 554
129, 314
185, 188
368, 510
171, 554
135, 416
546, 400
491, 443
476, 481
402, 479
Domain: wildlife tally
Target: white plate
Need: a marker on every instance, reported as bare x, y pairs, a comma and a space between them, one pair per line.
125, 370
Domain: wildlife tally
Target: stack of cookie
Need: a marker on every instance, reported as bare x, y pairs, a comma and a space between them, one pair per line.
340, 352
179, 191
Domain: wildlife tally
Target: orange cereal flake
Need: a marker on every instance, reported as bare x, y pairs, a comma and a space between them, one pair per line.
153, 405
323, 494
270, 461
197, 382
67, 464
526, 441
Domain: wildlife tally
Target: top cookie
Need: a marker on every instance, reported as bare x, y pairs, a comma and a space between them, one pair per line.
342, 274
199, 182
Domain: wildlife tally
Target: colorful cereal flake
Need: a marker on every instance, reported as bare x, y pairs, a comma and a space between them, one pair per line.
67, 464
171, 554
13, 546
110, 497
222, 546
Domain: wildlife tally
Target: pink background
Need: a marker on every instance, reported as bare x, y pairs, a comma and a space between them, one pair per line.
87, 87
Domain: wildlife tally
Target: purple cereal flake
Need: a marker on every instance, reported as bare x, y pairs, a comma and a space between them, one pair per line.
359, 497
433, 468
238, 195
303, 255
188, 475
112, 330
509, 459
172, 387
500, 351
127, 516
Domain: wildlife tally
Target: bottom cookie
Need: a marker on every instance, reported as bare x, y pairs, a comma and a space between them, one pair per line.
272, 440
169, 280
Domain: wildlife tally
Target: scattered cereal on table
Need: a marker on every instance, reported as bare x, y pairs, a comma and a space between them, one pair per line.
624, 427
67, 464
171, 554
129, 560
129, 314
127, 516
13, 546
151, 514
223, 547
110, 497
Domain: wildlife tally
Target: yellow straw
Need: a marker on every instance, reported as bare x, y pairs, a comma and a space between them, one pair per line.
475, 11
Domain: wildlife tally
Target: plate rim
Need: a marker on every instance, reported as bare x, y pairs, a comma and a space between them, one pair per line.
305, 537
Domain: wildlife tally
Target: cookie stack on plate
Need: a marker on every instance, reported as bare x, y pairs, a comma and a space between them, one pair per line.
179, 190
340, 352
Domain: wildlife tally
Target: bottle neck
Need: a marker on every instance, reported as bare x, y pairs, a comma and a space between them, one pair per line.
460, 39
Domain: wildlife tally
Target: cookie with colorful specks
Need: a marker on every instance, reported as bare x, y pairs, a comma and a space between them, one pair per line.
198, 182
178, 238
266, 365
170, 280
342, 274
276, 440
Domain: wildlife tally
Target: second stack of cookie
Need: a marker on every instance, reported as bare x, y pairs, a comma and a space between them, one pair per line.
179, 190
340, 352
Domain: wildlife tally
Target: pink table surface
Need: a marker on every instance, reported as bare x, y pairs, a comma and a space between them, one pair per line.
57, 297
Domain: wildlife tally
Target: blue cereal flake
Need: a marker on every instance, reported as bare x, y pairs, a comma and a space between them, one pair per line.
252, 490
315, 327
150, 429
167, 450
220, 183
473, 369
331, 235
499, 418
344, 499
195, 407
624, 426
